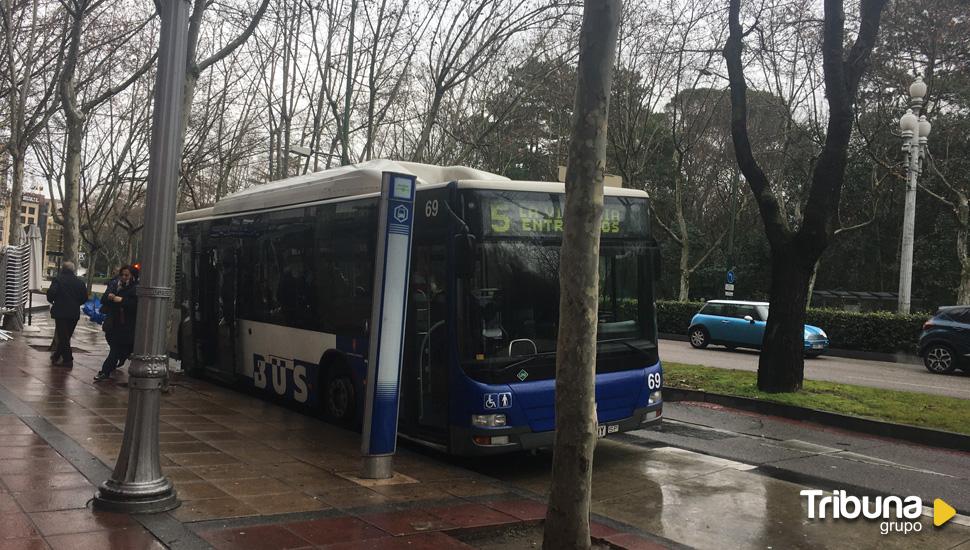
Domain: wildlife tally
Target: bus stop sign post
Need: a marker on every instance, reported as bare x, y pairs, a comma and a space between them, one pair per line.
386, 338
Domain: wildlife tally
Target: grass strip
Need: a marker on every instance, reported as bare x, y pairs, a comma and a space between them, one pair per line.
916, 409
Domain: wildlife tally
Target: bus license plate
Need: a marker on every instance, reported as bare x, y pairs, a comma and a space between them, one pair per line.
605, 429
817, 346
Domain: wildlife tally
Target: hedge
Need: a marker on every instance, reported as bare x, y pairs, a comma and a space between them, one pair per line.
880, 331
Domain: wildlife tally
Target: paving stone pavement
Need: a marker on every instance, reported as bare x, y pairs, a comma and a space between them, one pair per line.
250, 474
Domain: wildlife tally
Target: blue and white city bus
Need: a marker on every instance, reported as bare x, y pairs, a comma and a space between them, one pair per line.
274, 293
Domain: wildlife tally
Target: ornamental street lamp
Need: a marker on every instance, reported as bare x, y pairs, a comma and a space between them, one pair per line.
915, 131
137, 484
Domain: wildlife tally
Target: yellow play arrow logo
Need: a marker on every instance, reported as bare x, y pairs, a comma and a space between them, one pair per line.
942, 512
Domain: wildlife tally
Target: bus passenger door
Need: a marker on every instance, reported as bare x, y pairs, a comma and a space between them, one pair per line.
425, 378
227, 308
206, 330
217, 297
183, 308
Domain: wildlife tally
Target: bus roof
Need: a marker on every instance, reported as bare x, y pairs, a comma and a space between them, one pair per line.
543, 187
357, 180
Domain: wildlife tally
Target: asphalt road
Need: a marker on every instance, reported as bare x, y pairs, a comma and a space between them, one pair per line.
815, 455
713, 478
875, 374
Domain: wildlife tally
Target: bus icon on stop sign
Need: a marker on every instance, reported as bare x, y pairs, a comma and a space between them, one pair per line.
401, 213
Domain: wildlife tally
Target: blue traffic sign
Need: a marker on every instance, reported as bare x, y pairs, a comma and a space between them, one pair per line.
730, 277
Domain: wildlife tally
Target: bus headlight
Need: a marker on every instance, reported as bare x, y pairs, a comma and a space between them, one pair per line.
654, 398
488, 420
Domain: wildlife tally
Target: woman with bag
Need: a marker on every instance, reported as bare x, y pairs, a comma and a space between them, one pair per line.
120, 305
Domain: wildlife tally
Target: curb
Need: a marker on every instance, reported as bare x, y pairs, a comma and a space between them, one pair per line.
900, 357
904, 432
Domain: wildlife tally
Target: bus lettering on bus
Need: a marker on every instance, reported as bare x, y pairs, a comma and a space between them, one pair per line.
286, 377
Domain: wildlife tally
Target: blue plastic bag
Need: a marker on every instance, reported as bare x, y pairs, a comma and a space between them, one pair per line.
92, 308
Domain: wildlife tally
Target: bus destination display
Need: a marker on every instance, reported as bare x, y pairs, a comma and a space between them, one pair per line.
533, 216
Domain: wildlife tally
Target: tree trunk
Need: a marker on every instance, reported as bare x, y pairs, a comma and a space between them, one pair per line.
963, 291
74, 120
684, 239
811, 283
89, 276
421, 147
684, 271
567, 519
679, 189
345, 127
781, 366
963, 227
191, 81
16, 196
794, 253
130, 247
72, 189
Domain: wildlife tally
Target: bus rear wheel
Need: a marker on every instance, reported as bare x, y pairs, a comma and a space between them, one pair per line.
340, 398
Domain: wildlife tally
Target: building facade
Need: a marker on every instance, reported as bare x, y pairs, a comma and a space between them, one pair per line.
36, 209
32, 209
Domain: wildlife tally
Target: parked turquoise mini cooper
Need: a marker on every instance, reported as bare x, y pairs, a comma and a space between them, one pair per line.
737, 324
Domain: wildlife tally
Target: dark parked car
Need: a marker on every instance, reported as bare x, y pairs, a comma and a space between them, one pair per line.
945, 342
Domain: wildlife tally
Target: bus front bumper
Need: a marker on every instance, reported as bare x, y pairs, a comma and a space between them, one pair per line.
468, 441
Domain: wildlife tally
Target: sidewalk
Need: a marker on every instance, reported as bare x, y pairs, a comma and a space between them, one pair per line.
250, 474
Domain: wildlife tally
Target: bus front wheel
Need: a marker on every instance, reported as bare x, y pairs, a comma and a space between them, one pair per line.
340, 399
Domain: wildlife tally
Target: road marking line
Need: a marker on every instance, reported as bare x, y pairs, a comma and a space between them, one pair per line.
708, 459
856, 457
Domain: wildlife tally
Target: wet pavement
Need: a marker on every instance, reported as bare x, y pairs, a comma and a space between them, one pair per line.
817, 455
255, 475
250, 474
709, 502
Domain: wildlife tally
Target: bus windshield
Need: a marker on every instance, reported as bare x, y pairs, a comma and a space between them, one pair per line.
512, 302
517, 296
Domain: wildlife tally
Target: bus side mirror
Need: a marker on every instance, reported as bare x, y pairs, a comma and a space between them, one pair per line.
464, 255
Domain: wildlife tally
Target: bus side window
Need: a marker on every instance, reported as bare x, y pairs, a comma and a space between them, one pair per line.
279, 286
343, 256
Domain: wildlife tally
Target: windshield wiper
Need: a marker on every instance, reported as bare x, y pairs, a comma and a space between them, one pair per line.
626, 343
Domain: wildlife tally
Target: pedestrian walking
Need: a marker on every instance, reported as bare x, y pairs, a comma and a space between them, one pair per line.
120, 308
66, 294
112, 284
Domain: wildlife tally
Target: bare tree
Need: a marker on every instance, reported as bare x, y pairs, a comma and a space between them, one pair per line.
646, 74
114, 176
223, 133
567, 521
388, 63
470, 35
795, 251
33, 50
195, 66
76, 111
